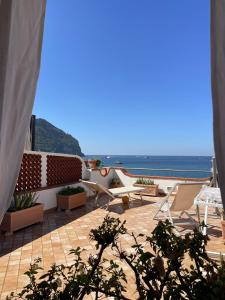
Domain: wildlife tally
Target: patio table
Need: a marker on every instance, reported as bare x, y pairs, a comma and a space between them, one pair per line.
208, 197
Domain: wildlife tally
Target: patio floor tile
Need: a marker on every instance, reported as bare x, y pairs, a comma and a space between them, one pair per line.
63, 231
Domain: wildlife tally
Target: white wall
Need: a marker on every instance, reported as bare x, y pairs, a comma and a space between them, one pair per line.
163, 183
48, 196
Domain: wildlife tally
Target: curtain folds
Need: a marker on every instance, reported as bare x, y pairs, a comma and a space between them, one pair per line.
218, 86
21, 31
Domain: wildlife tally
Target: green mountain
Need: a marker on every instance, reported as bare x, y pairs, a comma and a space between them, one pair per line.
49, 138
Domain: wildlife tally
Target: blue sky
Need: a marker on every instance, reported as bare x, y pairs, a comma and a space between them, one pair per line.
128, 76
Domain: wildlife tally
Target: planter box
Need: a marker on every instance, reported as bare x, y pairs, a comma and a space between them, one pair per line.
150, 190
13, 221
72, 201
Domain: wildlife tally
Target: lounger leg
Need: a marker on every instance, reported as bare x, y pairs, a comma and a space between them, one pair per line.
156, 214
190, 217
129, 200
205, 220
96, 199
162, 204
186, 213
169, 214
198, 214
110, 199
181, 214
107, 208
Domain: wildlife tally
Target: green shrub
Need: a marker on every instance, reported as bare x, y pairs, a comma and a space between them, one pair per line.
68, 191
23, 200
159, 274
115, 181
144, 181
98, 162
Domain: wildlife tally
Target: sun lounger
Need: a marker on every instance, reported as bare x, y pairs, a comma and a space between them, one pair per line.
113, 193
183, 199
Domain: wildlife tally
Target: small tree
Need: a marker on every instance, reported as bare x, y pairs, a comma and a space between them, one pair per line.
159, 273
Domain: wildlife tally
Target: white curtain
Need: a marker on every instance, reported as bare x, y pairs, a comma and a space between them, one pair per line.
218, 86
21, 31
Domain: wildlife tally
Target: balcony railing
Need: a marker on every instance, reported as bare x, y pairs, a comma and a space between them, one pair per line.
167, 172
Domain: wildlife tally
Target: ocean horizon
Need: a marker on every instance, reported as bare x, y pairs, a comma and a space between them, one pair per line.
160, 165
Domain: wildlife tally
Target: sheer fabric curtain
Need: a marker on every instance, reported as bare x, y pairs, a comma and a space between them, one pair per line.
21, 31
218, 86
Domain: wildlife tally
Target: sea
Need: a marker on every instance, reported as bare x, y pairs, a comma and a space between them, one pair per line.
177, 166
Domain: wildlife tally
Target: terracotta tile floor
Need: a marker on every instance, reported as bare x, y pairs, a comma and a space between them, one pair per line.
62, 231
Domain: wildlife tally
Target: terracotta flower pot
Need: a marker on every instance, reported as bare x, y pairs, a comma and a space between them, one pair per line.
72, 201
150, 190
92, 163
223, 228
125, 200
15, 220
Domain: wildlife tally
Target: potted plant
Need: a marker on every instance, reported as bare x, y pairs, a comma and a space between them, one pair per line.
151, 188
71, 197
125, 200
23, 211
115, 183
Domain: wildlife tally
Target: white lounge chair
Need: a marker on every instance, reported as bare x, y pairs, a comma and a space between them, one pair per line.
183, 199
113, 193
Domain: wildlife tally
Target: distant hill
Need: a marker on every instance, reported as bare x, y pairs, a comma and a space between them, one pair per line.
49, 138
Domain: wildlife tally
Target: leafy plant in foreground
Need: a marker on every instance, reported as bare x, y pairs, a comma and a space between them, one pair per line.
165, 266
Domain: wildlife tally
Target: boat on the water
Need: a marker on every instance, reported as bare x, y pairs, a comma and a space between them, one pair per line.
108, 157
118, 162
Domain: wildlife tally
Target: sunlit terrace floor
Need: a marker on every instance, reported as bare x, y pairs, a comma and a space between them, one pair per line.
62, 231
